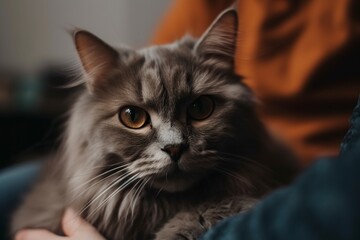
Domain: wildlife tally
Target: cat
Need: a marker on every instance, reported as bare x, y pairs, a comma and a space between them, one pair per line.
162, 143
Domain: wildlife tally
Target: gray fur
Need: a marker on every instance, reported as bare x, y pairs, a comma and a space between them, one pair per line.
121, 181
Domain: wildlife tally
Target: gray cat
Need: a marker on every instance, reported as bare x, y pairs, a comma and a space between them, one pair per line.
162, 143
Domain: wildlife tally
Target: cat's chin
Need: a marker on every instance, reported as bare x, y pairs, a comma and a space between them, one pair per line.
176, 182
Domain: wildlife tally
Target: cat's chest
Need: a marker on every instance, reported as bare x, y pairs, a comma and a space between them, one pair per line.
137, 217
133, 215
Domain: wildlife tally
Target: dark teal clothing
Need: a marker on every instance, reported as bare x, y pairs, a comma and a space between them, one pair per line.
323, 203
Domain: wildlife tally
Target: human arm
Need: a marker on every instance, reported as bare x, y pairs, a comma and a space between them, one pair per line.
323, 203
74, 227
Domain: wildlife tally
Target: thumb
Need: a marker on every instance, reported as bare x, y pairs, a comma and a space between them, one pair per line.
74, 225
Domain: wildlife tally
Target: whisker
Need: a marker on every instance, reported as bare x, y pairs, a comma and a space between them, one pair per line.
115, 182
234, 175
136, 186
137, 194
110, 165
77, 195
129, 181
256, 184
229, 156
138, 190
91, 170
93, 179
158, 191
122, 168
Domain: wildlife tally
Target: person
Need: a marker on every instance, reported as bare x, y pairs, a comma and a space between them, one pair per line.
323, 203
301, 59
73, 225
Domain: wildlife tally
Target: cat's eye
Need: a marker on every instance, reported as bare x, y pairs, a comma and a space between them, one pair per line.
133, 117
201, 108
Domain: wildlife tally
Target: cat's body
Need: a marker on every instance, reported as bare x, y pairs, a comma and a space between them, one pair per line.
187, 151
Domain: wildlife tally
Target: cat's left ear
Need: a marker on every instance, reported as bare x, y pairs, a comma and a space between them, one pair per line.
218, 44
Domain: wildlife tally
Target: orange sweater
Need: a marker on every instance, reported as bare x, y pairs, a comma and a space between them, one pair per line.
301, 58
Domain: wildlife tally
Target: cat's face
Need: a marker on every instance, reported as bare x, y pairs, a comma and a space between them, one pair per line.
166, 114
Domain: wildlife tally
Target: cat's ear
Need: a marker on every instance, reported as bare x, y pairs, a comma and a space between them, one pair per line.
218, 44
97, 57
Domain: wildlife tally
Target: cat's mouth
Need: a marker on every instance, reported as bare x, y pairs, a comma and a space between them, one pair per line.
176, 180
173, 174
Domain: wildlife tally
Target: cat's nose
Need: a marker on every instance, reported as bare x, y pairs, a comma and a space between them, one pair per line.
174, 150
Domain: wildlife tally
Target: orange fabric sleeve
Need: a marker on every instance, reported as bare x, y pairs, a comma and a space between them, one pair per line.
301, 58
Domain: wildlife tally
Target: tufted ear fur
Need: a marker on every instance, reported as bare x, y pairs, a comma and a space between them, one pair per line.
97, 57
217, 45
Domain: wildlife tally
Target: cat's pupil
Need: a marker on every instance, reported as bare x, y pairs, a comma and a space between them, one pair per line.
201, 108
198, 107
133, 115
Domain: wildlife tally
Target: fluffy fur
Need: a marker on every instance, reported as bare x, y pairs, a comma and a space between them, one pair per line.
121, 180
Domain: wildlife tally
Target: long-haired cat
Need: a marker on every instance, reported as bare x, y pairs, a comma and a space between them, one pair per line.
161, 144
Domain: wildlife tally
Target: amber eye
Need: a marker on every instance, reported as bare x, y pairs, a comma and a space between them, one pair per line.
133, 117
201, 108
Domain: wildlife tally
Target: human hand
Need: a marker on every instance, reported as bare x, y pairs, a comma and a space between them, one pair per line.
74, 227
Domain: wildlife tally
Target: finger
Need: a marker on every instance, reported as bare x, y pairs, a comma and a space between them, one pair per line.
72, 222
37, 234
74, 225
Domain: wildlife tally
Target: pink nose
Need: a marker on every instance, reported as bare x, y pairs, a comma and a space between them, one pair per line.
174, 151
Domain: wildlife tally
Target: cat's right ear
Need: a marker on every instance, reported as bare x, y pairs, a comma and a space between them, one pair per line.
96, 56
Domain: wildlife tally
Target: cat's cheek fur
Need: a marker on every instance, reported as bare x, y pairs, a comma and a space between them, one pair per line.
152, 161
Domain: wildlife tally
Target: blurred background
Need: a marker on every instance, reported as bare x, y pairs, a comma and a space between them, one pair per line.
36, 53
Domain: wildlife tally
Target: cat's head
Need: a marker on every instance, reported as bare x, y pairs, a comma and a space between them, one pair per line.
167, 115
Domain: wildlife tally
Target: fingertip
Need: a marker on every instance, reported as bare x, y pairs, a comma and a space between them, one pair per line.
70, 214
20, 235
36, 234
75, 226
70, 221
